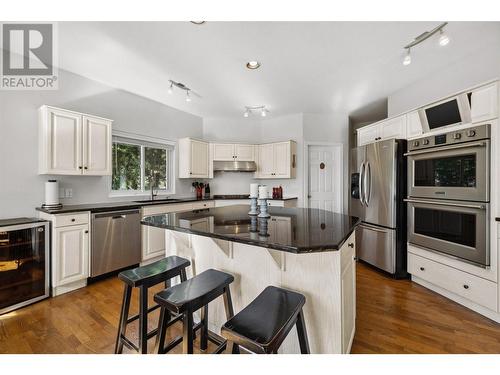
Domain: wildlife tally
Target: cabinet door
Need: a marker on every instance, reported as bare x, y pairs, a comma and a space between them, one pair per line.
153, 242
199, 159
393, 128
223, 151
282, 161
244, 152
71, 254
96, 146
63, 142
484, 103
413, 126
368, 134
282, 227
348, 293
266, 161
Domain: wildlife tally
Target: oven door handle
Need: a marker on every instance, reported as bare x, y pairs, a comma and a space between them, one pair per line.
438, 203
446, 148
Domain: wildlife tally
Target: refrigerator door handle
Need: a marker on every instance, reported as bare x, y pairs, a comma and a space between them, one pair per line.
361, 183
368, 183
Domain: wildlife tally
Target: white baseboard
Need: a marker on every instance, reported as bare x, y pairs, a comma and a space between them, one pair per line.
58, 290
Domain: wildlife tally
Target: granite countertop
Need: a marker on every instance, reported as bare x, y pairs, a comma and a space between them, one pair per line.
310, 230
108, 206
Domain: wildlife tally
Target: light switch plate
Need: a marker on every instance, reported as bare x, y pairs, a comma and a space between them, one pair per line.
68, 193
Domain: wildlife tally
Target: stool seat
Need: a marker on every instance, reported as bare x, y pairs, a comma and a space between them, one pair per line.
194, 293
154, 273
263, 325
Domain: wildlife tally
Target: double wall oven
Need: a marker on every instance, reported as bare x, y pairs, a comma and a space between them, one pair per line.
448, 194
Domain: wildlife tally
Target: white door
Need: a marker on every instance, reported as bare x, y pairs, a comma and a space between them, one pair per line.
266, 160
199, 159
96, 146
244, 152
393, 128
64, 142
223, 151
72, 254
325, 172
282, 159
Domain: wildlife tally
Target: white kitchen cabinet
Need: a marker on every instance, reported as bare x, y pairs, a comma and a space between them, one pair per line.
348, 293
70, 251
280, 229
231, 152
484, 103
193, 158
244, 152
72, 143
277, 160
413, 125
72, 254
368, 134
223, 152
393, 128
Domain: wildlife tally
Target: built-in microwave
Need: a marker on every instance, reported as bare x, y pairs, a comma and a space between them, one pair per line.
452, 111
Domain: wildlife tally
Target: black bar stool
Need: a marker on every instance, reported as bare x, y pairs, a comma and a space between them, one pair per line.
186, 298
143, 278
263, 325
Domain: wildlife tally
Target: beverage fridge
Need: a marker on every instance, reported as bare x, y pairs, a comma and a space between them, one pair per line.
24, 262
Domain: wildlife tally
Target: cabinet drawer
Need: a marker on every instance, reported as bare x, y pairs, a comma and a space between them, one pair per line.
71, 219
474, 288
203, 205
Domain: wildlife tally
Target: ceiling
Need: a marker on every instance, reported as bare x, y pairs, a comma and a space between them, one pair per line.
315, 67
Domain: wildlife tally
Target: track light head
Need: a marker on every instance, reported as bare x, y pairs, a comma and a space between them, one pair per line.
407, 58
188, 97
443, 38
263, 112
171, 89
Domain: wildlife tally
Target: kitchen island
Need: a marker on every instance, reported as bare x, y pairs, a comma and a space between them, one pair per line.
307, 250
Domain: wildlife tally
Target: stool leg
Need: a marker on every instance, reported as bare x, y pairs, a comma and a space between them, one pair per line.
302, 333
162, 330
187, 334
232, 348
204, 328
228, 303
143, 320
127, 291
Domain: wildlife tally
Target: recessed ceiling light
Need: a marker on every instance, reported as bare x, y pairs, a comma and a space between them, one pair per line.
253, 65
198, 22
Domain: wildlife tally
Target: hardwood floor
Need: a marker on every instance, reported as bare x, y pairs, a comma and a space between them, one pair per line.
393, 316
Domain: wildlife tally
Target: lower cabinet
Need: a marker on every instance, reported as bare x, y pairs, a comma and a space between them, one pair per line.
348, 293
70, 252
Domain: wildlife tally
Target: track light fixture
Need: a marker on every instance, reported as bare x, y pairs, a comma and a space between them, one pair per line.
251, 109
443, 40
182, 86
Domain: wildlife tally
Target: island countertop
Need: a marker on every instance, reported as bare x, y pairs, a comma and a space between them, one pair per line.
294, 230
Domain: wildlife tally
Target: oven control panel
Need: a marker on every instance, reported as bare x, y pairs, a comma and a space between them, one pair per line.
453, 137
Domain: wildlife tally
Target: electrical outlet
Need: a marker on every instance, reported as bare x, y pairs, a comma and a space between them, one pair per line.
68, 193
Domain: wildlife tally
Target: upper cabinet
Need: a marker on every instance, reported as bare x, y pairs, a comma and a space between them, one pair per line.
484, 103
193, 158
277, 160
231, 152
72, 143
413, 125
391, 128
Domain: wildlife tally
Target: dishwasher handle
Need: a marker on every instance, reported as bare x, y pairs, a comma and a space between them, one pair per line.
115, 214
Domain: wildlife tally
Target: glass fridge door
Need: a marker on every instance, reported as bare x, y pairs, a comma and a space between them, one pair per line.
23, 265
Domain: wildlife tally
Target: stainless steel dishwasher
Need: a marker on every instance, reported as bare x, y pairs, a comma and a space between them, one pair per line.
116, 241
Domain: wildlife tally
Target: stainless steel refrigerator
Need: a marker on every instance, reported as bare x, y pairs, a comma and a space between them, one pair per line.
378, 187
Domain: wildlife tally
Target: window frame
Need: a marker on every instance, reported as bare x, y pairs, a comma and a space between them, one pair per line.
143, 142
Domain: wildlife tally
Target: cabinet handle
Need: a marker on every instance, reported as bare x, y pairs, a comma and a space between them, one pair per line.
190, 172
80, 167
73, 220
86, 167
422, 269
86, 231
466, 286
351, 245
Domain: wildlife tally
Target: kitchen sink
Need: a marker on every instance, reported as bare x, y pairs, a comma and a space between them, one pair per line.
157, 200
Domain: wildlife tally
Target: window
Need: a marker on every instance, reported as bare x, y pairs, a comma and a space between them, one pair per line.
138, 165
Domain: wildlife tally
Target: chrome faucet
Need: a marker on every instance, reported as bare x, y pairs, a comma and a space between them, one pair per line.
152, 182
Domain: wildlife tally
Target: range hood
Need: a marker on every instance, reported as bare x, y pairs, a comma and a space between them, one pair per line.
235, 166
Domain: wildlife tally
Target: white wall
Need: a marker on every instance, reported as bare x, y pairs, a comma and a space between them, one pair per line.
22, 189
467, 72
328, 128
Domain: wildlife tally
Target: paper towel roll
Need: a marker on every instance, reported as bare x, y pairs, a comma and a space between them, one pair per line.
51, 193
